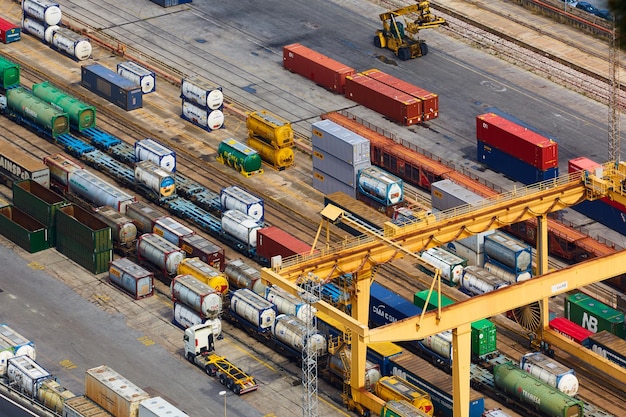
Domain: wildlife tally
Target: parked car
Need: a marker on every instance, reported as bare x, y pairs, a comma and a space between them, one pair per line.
588, 7
604, 14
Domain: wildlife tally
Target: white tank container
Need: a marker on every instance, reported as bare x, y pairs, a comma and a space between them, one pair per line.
236, 198
505, 274
289, 304
209, 119
202, 92
48, 12
451, 266
551, 372
151, 150
72, 43
158, 407
293, 332
476, 281
186, 317
240, 226
155, 178
21, 346
171, 230
197, 295
123, 230
440, 343
380, 185
135, 279
6, 353
161, 253
84, 184
372, 371
36, 28
241, 275
253, 308
141, 76
26, 374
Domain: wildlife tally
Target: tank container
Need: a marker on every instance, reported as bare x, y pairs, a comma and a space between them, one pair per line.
293, 332
6, 353
155, 178
18, 343
48, 12
73, 44
372, 371
38, 29
508, 251
123, 230
151, 150
272, 129
450, 265
239, 156
202, 92
9, 73
287, 303
26, 374
380, 185
47, 117
506, 273
144, 216
132, 278
550, 371
82, 116
113, 392
197, 295
253, 308
237, 198
141, 76
161, 253
61, 168
395, 388
185, 317
440, 343
52, 395
204, 273
240, 226
476, 281
280, 158
241, 275
206, 119
171, 230
90, 187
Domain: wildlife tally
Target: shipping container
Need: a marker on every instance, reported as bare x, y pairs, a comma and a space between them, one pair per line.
317, 67
609, 346
273, 241
94, 262
170, 3
340, 142
61, 168
113, 392
513, 167
508, 252
111, 86
472, 257
446, 195
40, 203
158, 407
9, 74
388, 101
571, 330
344, 172
197, 246
594, 315
204, 273
26, 375
388, 307
517, 141
144, 215
77, 224
430, 101
82, 115
327, 184
132, 278
9, 32
82, 406
134, 72
23, 230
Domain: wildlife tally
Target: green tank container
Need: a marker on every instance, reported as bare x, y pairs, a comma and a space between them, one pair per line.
53, 121
239, 156
82, 116
594, 315
530, 390
9, 74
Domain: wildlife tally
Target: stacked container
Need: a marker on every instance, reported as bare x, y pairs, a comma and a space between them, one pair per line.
113, 392
158, 407
196, 295
507, 257
150, 150
41, 18
134, 72
202, 103
272, 137
338, 156
515, 150
72, 44
237, 198
594, 315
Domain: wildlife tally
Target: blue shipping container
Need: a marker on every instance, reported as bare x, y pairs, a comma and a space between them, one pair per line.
604, 213
511, 166
388, 307
111, 86
170, 3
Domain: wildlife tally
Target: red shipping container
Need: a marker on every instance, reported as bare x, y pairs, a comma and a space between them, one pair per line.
316, 67
197, 246
9, 32
570, 329
517, 141
430, 101
581, 164
272, 241
384, 99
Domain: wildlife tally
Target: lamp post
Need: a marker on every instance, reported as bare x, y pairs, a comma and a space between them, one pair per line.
223, 394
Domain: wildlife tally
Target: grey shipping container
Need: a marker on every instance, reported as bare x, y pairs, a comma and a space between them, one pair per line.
170, 3
340, 142
446, 194
111, 86
23, 230
132, 278
327, 184
340, 170
144, 216
83, 227
82, 406
40, 203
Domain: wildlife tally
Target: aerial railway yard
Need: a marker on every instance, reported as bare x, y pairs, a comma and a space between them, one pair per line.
220, 176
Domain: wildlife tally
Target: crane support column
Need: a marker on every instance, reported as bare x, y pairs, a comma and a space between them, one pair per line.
357, 366
462, 357
361, 298
542, 245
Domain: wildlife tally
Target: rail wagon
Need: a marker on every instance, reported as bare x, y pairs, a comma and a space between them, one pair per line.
36, 113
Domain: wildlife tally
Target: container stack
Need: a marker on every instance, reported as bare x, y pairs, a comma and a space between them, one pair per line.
41, 18
594, 315
195, 302
202, 103
139, 75
272, 137
448, 195
515, 150
338, 156
507, 257
111, 86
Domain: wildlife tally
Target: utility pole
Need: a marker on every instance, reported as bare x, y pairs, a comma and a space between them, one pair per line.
310, 294
614, 93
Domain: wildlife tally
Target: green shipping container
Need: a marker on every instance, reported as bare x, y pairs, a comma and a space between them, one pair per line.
594, 315
94, 262
484, 336
23, 230
9, 73
84, 228
40, 203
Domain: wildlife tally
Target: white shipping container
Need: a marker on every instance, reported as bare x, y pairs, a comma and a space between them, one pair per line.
158, 407
340, 142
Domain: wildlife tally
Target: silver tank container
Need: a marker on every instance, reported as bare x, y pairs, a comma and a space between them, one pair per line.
186, 317
197, 295
72, 43
155, 178
161, 253
19, 344
242, 275
476, 280
293, 332
36, 28
143, 215
123, 229
440, 343
48, 12
131, 277
26, 374
253, 308
372, 371
202, 92
100, 192
509, 251
551, 372
240, 226
141, 76
236, 198
6, 353
287, 303
505, 274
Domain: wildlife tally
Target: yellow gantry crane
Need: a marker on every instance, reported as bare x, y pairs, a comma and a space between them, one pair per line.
362, 256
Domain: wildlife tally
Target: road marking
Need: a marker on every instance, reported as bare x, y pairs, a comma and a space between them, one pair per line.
261, 361
68, 364
36, 265
146, 341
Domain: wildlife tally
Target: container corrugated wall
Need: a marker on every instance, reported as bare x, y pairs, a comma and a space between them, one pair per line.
113, 392
84, 228
82, 406
23, 230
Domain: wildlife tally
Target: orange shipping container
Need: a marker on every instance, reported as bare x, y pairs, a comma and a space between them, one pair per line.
113, 392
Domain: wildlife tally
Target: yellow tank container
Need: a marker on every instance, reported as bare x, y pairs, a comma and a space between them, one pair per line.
52, 395
394, 388
274, 129
278, 158
204, 273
